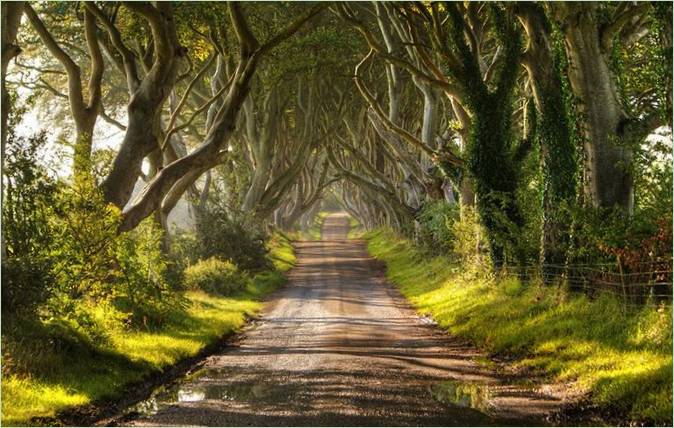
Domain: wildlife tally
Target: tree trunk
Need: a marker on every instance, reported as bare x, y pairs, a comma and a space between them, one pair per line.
11, 18
10, 15
558, 160
607, 180
142, 138
221, 131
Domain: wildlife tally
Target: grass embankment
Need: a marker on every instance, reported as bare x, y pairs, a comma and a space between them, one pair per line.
314, 232
356, 231
82, 373
622, 359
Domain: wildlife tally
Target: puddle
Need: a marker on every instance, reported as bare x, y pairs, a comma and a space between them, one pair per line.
207, 384
463, 394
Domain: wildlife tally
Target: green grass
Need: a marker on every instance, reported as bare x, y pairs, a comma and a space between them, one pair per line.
314, 232
281, 251
82, 372
621, 358
356, 231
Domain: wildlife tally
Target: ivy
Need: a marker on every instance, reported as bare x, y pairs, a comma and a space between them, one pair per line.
491, 159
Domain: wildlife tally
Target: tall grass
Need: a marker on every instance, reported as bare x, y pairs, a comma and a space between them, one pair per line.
621, 358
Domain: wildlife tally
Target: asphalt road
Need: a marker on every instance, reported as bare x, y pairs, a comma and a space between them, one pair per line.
339, 346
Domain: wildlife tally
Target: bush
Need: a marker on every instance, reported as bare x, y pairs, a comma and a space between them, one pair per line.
435, 226
469, 244
24, 281
144, 289
183, 251
28, 195
65, 257
215, 276
232, 239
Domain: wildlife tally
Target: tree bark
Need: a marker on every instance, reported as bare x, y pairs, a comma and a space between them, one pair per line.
147, 96
558, 160
607, 180
11, 18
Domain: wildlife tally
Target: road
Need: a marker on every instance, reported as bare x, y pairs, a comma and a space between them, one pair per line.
340, 346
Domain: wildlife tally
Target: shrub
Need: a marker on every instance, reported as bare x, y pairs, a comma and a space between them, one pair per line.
64, 255
28, 195
144, 289
228, 238
469, 245
435, 221
214, 275
183, 251
24, 284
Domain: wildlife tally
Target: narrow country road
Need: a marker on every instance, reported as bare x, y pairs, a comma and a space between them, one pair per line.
339, 346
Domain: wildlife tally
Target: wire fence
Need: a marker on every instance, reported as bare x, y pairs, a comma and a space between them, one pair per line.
648, 283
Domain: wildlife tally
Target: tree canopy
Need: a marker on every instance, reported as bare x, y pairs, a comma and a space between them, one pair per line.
525, 112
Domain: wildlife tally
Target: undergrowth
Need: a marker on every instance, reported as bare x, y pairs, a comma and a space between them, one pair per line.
622, 358
44, 380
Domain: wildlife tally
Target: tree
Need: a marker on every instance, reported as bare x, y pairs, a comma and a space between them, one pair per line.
85, 111
250, 53
609, 132
558, 153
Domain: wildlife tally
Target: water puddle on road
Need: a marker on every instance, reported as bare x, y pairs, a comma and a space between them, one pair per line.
463, 394
202, 385
485, 398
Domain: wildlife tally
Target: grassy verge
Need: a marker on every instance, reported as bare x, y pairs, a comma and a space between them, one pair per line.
356, 231
79, 373
622, 359
314, 232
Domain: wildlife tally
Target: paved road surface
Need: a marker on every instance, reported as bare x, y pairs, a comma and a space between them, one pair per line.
339, 346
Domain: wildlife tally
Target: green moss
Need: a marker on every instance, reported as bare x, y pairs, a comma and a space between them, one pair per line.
622, 359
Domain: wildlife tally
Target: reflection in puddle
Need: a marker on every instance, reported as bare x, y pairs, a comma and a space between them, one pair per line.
188, 395
206, 384
463, 394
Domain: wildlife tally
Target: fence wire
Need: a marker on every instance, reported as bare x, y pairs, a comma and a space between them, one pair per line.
641, 284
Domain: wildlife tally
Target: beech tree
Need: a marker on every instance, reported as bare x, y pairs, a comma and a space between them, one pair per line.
609, 132
527, 113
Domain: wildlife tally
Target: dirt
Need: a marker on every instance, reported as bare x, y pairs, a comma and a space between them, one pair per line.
340, 346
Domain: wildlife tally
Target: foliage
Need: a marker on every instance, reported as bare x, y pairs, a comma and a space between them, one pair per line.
40, 379
29, 192
468, 246
183, 252
65, 256
105, 369
435, 226
144, 288
221, 235
215, 276
640, 241
492, 152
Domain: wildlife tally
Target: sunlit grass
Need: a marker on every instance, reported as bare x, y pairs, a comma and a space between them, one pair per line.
90, 372
355, 231
314, 232
621, 358
281, 251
